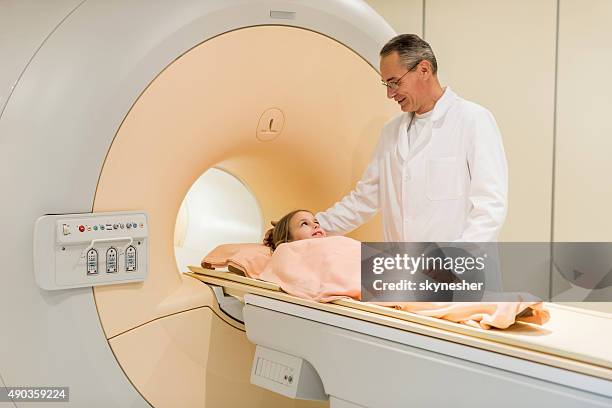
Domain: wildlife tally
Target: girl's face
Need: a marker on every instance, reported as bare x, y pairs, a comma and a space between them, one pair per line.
303, 225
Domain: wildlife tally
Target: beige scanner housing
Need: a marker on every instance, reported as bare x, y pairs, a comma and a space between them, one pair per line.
333, 107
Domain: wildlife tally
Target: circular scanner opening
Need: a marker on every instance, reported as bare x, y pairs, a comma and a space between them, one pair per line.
218, 209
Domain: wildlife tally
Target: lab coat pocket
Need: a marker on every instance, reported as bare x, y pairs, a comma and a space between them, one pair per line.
442, 179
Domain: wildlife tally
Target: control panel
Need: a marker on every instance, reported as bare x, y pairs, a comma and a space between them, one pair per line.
77, 250
287, 375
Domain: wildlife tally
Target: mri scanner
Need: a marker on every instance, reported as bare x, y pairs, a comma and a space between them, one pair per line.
115, 106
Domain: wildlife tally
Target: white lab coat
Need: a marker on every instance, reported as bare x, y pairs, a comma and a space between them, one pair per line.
452, 186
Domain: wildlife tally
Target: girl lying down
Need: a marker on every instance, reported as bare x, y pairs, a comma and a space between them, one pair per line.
295, 226
330, 268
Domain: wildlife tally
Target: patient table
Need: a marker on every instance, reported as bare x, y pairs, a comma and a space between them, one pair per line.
362, 355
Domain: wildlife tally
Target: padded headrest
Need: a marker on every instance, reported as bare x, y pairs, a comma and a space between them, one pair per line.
249, 259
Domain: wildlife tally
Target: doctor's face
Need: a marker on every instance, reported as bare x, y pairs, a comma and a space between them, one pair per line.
405, 85
303, 225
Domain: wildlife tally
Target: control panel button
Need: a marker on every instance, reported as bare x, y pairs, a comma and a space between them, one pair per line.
92, 262
130, 259
81, 228
66, 229
111, 260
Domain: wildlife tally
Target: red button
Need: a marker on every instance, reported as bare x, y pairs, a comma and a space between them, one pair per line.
81, 228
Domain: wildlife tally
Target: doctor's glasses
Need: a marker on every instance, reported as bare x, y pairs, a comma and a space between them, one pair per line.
395, 84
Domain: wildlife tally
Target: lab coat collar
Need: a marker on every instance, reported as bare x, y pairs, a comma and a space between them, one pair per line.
443, 104
439, 110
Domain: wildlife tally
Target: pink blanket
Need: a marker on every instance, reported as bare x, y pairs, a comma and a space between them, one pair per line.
326, 269
321, 269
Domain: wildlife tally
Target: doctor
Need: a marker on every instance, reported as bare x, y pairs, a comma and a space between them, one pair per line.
439, 172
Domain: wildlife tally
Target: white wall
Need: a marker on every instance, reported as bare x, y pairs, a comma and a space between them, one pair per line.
583, 165
404, 16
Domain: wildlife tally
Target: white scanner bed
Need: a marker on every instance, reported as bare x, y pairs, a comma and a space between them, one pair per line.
372, 356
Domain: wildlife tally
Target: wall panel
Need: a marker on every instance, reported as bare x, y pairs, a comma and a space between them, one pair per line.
501, 55
583, 190
405, 16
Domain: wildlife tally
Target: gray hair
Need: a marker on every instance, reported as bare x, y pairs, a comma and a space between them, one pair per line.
411, 50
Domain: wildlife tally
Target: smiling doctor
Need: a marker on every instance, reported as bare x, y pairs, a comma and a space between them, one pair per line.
439, 173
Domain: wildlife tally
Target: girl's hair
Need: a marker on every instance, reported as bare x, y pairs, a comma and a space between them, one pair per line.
280, 232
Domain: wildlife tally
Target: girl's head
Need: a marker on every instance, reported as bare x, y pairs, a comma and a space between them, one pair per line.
298, 224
